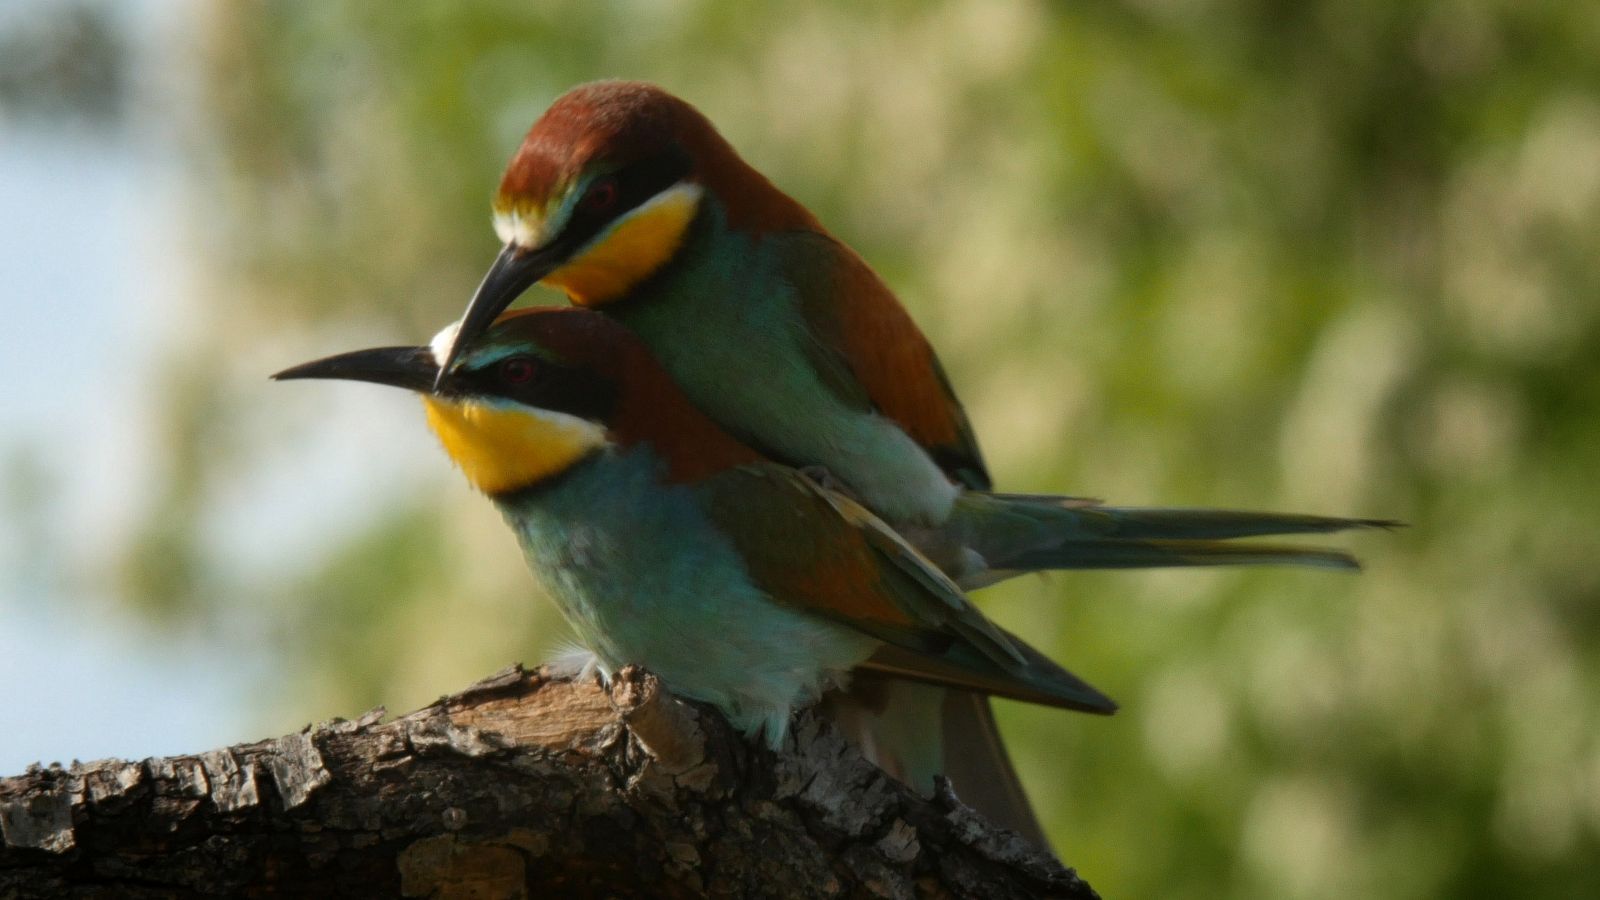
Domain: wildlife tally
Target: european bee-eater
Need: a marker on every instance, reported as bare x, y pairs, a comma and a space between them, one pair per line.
626, 198
668, 543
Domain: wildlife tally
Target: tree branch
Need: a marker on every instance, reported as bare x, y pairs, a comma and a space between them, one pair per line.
525, 784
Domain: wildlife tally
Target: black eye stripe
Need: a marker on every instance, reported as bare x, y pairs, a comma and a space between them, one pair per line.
576, 392
601, 194
646, 178
517, 370
636, 183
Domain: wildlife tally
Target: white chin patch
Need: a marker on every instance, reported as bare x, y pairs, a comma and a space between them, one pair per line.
440, 345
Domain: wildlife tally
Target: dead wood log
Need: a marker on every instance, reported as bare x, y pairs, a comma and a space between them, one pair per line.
528, 784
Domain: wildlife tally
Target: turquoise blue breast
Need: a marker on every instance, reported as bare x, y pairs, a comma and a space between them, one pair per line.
645, 578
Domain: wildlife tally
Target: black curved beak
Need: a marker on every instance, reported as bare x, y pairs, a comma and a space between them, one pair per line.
514, 271
411, 368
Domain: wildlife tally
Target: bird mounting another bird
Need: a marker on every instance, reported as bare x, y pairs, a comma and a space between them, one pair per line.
742, 582
648, 451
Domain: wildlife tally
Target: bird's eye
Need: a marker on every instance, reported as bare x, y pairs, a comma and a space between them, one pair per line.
602, 195
517, 370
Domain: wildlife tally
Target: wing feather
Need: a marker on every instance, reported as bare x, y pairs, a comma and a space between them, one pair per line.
817, 550
866, 347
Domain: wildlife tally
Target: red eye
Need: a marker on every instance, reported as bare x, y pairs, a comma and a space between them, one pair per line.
517, 370
601, 196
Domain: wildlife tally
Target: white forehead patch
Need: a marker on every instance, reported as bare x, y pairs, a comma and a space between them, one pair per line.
480, 355
519, 229
440, 345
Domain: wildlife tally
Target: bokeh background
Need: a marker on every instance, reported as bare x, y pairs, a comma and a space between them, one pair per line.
1321, 256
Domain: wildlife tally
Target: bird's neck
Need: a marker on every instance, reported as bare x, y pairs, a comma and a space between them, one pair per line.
751, 201
657, 414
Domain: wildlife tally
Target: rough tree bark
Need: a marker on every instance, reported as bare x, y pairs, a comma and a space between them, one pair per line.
528, 784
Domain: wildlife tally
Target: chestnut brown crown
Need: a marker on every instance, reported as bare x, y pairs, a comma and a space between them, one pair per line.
617, 124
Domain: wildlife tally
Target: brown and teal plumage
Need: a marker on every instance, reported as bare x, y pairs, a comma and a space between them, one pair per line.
746, 583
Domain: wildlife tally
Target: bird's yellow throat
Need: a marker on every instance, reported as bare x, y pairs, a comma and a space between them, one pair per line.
631, 249
503, 448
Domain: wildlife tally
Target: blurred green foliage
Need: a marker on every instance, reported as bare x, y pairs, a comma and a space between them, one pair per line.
1324, 256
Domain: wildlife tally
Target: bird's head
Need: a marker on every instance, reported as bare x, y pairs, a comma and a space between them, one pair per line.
602, 194
539, 392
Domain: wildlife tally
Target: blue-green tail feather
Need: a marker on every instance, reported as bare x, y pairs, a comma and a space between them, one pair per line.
1010, 534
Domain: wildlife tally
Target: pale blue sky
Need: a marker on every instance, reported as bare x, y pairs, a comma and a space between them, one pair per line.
88, 226
100, 284
82, 223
